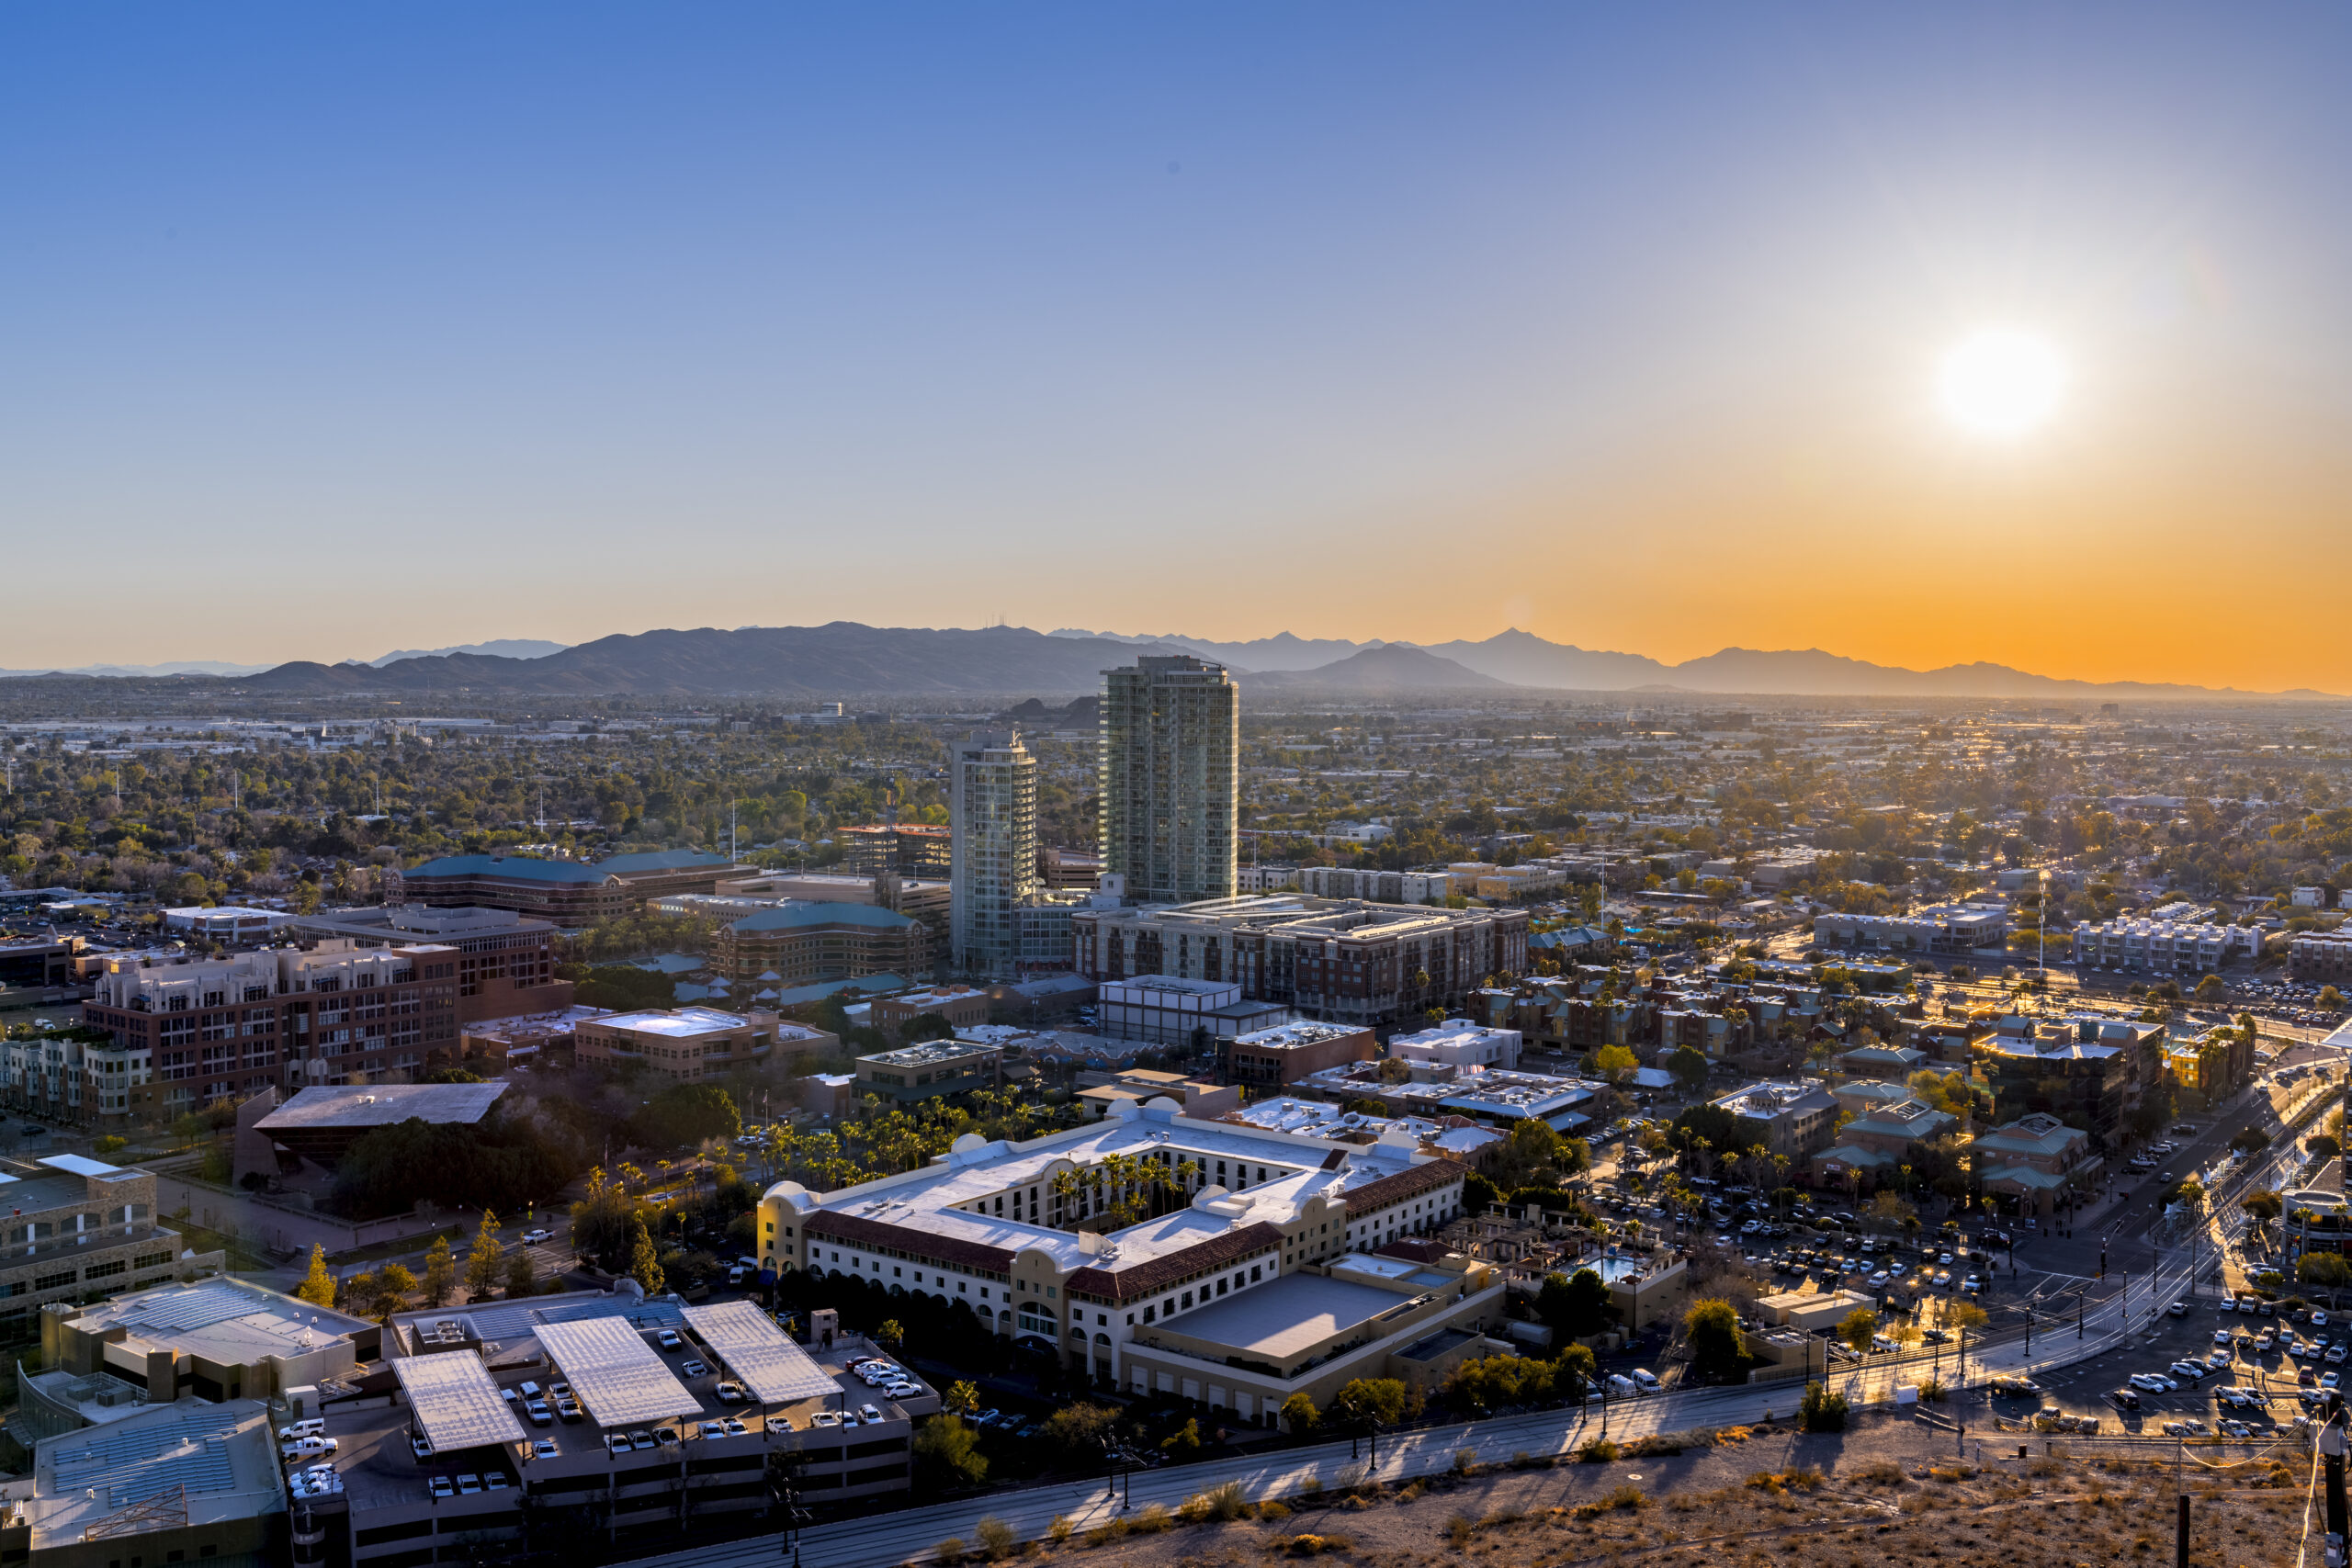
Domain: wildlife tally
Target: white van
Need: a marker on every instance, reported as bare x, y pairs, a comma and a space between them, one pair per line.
1647, 1379
1622, 1387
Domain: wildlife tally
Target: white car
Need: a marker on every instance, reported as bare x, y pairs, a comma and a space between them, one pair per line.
2189, 1370
2221, 1337
1880, 1278
533, 1238
2319, 1317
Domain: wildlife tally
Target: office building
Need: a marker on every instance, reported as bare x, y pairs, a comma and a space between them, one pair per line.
1290, 1052
693, 1041
1170, 778
931, 1070
1459, 1043
926, 900
204, 1340
1342, 960
992, 808
569, 893
1943, 931
505, 961
896, 849
320, 1124
77, 1228
802, 944
228, 924
1350, 881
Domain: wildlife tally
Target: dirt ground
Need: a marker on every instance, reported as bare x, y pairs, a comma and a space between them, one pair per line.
1889, 1492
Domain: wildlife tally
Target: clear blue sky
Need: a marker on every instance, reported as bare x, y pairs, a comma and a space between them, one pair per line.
330, 329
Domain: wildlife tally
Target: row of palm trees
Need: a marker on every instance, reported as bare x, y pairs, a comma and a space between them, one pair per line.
1122, 1190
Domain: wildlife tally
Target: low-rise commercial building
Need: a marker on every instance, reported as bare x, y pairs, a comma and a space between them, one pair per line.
1101, 1091
320, 1124
1941, 931
1459, 1043
2035, 1161
931, 1070
232, 925
692, 1042
960, 1007
213, 1338
1290, 1053
78, 1228
178, 1483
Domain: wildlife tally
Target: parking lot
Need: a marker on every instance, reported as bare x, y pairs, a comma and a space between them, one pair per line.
2279, 1382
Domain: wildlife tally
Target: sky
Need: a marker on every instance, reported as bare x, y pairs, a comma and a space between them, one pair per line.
331, 329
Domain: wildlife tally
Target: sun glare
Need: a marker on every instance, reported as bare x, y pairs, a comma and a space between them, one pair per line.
2002, 382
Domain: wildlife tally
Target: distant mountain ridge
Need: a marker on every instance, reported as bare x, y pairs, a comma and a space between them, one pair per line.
500, 648
848, 658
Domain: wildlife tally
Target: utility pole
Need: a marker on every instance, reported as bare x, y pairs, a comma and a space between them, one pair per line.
2331, 1449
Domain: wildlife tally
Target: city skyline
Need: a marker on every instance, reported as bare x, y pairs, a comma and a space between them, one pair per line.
1922, 339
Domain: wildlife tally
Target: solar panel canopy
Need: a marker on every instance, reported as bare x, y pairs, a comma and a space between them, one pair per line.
456, 1401
617, 1376
772, 1366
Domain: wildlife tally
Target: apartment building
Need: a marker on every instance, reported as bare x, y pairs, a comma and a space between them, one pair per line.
1382, 887
992, 811
1345, 961
2163, 947
569, 893
1170, 778
187, 1032
1794, 1117
1235, 1214
505, 961
2322, 957
896, 848
801, 945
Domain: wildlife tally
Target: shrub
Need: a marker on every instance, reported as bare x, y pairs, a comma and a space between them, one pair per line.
1460, 1528
1152, 1520
1601, 1451
1060, 1530
1822, 1410
996, 1537
950, 1551
1465, 1461
1880, 1472
1628, 1496
1270, 1511
1227, 1503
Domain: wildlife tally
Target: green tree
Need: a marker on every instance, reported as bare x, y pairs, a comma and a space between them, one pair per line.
2326, 1270
947, 1453
1859, 1328
1712, 1329
484, 1264
683, 1114
1614, 1062
1076, 1433
961, 1398
394, 1285
440, 1272
1366, 1400
889, 1331
1690, 1069
522, 1279
1299, 1414
1574, 1306
318, 1286
644, 1263
1820, 1410
1183, 1444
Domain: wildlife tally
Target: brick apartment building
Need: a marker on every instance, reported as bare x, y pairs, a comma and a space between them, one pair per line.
505, 961
186, 1033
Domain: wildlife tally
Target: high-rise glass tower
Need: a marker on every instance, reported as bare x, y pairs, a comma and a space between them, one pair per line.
992, 812
1171, 731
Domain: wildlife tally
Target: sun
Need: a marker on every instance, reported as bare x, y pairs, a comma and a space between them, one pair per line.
2002, 382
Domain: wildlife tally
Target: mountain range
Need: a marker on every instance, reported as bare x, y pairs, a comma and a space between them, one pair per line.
846, 658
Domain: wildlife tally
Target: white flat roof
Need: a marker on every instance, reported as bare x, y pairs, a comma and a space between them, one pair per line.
382, 1105
82, 1165
748, 1342
1288, 1314
620, 1377
456, 1401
